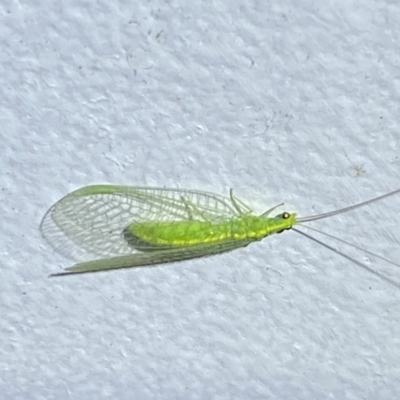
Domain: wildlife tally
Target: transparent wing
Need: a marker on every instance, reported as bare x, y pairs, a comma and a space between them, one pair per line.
153, 258
90, 221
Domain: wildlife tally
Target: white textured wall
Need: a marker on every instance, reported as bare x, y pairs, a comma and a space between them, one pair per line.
281, 100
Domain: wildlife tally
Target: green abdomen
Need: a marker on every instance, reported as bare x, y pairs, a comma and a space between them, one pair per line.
191, 232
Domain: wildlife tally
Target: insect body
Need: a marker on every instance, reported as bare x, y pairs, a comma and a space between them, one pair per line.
113, 227
192, 233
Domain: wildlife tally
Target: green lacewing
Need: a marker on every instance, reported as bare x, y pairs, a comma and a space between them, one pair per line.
108, 227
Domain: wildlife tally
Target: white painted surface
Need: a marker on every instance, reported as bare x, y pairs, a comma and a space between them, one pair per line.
281, 100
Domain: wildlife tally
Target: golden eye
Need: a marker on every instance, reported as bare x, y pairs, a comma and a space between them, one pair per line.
285, 215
